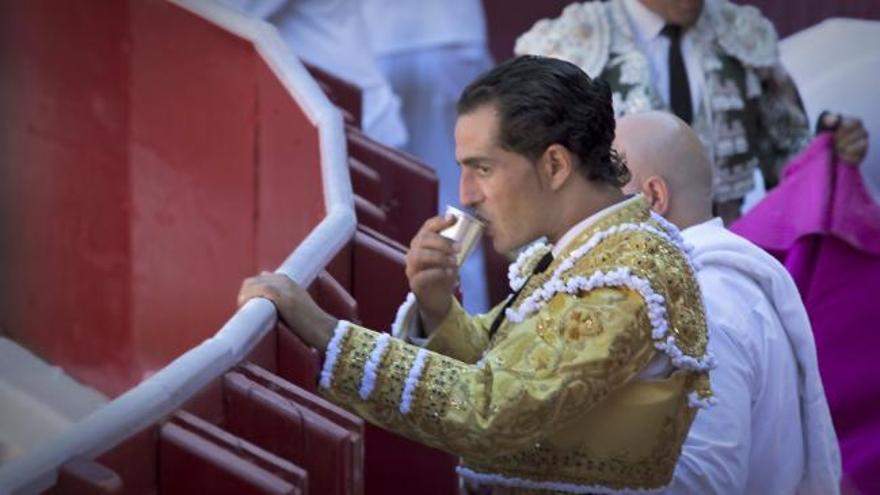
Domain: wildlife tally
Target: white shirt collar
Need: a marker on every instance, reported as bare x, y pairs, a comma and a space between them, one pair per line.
646, 22
711, 223
585, 223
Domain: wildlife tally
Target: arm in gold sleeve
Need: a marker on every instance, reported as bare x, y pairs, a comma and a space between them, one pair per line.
543, 374
461, 336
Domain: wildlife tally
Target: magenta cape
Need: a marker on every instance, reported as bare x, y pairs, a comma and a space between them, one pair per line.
824, 227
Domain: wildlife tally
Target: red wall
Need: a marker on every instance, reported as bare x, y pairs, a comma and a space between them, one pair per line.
148, 162
64, 189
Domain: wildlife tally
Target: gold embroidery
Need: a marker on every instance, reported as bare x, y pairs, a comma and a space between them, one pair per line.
554, 398
546, 329
579, 323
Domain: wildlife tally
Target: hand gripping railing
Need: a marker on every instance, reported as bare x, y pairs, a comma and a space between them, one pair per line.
165, 391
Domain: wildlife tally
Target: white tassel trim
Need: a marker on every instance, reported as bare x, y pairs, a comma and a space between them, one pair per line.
557, 486
371, 367
515, 272
682, 360
397, 328
333, 349
412, 380
695, 401
620, 277
677, 239
669, 233
554, 285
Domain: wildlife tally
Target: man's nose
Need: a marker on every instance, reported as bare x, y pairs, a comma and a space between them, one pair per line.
468, 192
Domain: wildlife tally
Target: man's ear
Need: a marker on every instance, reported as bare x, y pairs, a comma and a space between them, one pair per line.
657, 193
557, 165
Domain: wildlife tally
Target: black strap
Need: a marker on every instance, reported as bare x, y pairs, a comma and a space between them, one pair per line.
679, 88
542, 265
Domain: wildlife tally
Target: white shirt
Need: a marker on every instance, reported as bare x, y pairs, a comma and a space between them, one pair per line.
405, 25
771, 430
646, 26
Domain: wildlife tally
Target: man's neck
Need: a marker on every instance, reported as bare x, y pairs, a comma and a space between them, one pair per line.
689, 217
579, 207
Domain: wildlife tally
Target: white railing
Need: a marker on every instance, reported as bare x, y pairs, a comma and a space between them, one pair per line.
165, 391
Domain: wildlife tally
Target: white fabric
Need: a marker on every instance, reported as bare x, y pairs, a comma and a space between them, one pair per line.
412, 380
334, 347
429, 51
755, 195
835, 65
371, 367
404, 25
771, 430
332, 35
646, 27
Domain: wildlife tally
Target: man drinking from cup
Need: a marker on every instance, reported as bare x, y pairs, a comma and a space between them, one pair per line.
587, 378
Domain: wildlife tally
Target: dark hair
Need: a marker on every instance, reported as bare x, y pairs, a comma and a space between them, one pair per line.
543, 101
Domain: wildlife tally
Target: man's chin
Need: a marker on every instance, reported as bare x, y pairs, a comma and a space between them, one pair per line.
507, 249
501, 247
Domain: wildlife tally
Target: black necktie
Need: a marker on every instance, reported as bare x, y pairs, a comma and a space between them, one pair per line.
542, 265
679, 89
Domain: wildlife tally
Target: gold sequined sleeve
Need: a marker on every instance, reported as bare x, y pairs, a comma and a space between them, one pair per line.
461, 336
544, 374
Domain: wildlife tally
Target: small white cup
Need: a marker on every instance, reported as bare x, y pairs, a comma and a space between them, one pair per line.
466, 231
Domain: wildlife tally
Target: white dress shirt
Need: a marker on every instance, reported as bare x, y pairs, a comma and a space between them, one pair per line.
646, 26
404, 25
771, 430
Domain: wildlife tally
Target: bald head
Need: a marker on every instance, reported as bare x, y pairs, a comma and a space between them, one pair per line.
668, 164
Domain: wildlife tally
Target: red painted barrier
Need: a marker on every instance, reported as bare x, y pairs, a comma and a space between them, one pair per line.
150, 161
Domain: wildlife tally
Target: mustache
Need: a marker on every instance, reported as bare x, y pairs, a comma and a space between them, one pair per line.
476, 214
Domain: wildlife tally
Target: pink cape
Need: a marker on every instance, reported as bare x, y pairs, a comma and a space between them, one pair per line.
824, 227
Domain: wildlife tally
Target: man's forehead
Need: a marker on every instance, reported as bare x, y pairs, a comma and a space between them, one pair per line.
476, 133
485, 115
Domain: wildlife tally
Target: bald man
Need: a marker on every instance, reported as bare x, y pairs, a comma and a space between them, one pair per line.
771, 430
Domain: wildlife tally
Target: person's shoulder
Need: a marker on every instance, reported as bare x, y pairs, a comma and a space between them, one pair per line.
743, 32
580, 35
640, 253
713, 243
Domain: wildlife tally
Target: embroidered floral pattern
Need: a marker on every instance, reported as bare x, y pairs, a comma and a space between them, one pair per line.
617, 278
492, 415
581, 35
743, 32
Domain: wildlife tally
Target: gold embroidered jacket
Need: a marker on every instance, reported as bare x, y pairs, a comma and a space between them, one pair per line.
554, 401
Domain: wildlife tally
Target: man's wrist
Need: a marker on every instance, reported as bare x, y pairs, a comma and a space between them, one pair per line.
324, 328
429, 321
315, 328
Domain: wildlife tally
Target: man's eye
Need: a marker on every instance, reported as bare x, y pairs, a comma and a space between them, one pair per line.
483, 171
